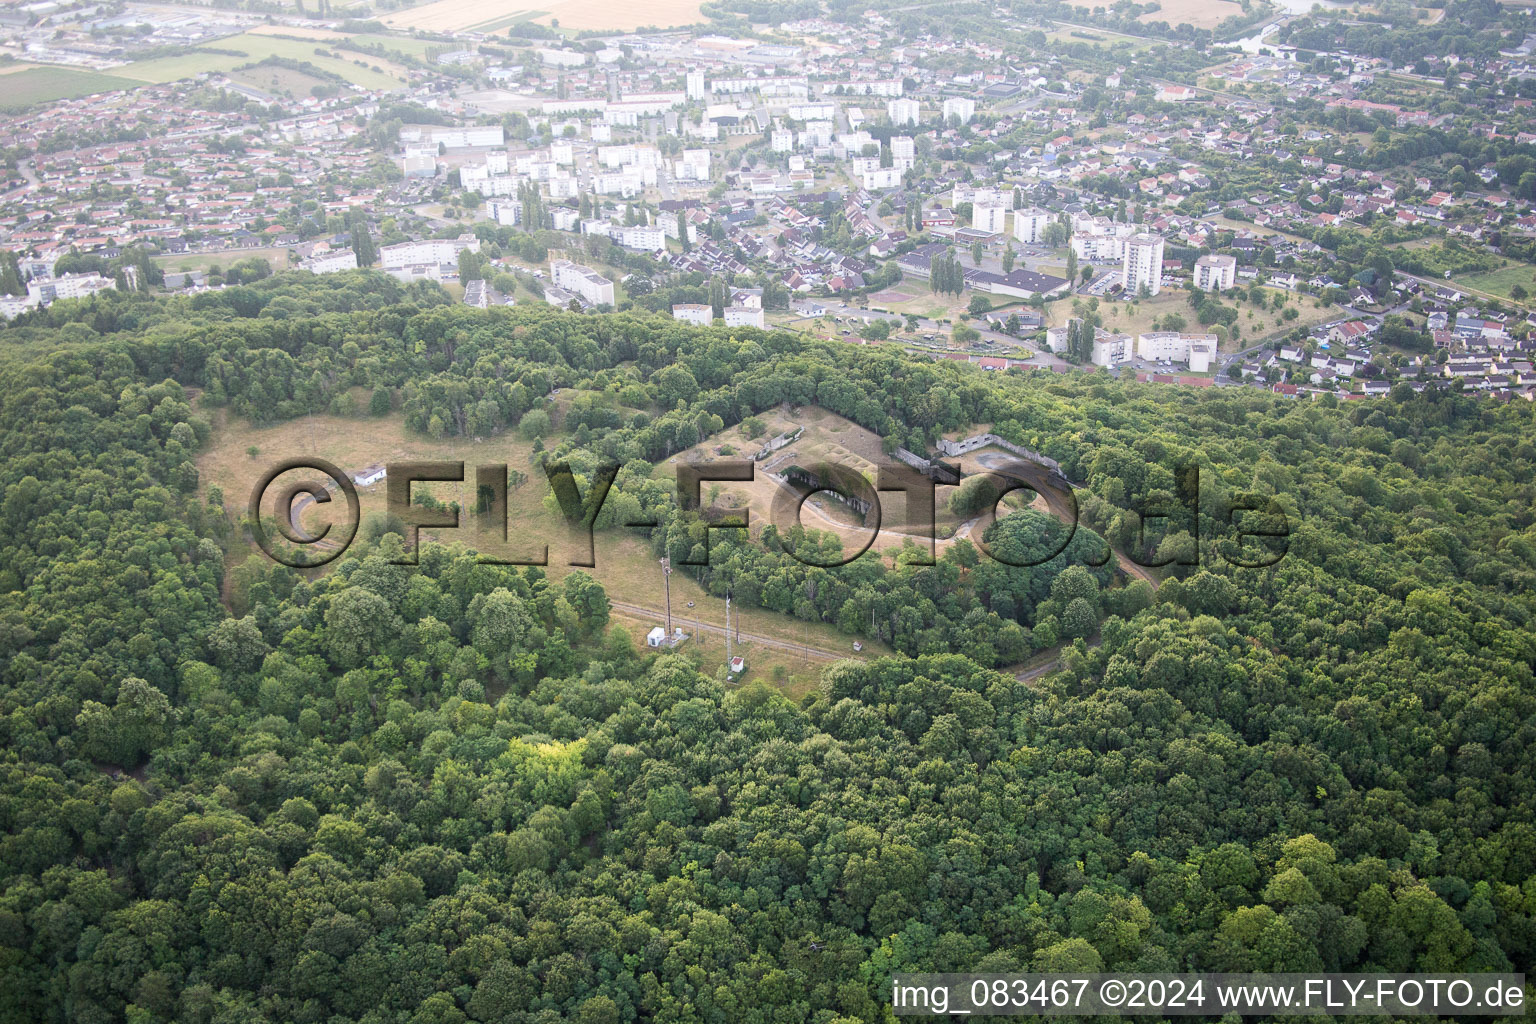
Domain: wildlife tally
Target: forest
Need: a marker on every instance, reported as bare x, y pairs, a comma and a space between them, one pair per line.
454, 791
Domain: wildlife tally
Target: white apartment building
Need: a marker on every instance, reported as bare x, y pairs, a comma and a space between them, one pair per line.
989, 209
1029, 224
672, 225
1195, 350
817, 133
782, 140
506, 212
694, 166
562, 58
1215, 272
698, 313
694, 85
11, 307
593, 287
903, 111
903, 147
959, 106
330, 263
811, 111
70, 286
648, 239
743, 316
456, 138
881, 177
1111, 349
628, 184
1143, 267
426, 250
877, 87
1056, 337
989, 218
1099, 238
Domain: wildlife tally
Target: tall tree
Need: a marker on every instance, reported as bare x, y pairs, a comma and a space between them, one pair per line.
362, 239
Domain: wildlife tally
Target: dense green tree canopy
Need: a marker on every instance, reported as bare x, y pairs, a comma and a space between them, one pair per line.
450, 791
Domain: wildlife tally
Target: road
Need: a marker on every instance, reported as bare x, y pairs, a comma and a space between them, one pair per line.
660, 615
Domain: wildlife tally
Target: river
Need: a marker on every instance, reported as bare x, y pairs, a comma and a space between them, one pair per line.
1292, 9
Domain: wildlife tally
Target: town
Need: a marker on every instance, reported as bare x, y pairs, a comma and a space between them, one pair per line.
1278, 198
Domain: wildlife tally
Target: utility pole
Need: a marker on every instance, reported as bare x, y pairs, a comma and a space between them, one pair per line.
727, 629
666, 579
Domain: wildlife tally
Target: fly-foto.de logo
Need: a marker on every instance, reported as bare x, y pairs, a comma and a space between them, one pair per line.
1249, 530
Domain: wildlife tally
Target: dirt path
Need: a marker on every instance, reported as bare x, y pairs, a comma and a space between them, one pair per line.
658, 614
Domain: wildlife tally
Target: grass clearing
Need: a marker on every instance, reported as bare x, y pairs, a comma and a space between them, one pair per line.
1133, 318
207, 261
625, 564
278, 81
40, 84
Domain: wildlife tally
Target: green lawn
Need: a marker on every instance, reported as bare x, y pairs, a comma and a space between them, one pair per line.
254, 48
47, 84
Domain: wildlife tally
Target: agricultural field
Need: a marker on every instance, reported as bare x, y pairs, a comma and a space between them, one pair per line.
39, 84
295, 32
1198, 13
361, 69
494, 15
